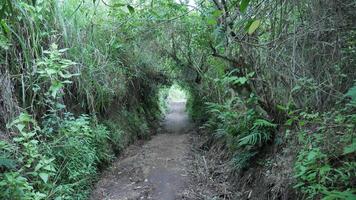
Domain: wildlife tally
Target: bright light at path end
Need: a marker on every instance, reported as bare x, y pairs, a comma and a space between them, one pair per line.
190, 3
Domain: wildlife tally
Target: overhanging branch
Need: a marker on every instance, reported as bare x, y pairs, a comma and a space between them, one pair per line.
216, 54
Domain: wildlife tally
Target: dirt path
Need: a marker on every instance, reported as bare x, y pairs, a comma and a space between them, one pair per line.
157, 169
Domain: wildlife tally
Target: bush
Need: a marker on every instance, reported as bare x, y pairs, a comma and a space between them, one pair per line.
62, 164
322, 169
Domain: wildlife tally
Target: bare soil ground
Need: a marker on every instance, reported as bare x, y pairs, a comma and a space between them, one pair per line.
163, 168
180, 164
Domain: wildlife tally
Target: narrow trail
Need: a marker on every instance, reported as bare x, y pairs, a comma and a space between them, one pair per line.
157, 169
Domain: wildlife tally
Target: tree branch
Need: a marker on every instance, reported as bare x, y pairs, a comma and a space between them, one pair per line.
216, 54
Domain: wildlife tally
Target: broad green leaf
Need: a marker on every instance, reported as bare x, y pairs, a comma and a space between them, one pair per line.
244, 5
49, 168
289, 122
51, 71
4, 26
251, 74
20, 127
55, 87
324, 170
240, 80
296, 88
44, 177
211, 21
23, 118
352, 93
350, 148
18, 139
38, 166
216, 13
255, 24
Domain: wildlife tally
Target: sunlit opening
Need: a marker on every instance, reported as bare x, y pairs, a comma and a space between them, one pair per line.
177, 94
189, 3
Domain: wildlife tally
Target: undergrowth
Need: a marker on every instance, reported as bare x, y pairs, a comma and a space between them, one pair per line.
59, 156
325, 167
242, 127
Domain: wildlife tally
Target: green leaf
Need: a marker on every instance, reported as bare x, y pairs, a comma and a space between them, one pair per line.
18, 139
23, 118
352, 93
44, 177
254, 138
350, 148
244, 5
118, 5
20, 127
296, 88
240, 80
55, 87
4, 43
49, 168
50, 71
216, 13
250, 75
289, 122
131, 9
254, 25
211, 21
263, 123
4, 26
345, 195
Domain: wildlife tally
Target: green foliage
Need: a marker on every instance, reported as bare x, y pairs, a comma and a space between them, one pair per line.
244, 131
55, 70
15, 186
254, 138
244, 64
30, 179
78, 156
323, 170
352, 94
349, 149
254, 25
59, 157
244, 5
163, 100
101, 136
117, 135
58, 164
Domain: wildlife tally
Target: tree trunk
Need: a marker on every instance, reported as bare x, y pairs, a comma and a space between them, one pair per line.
8, 102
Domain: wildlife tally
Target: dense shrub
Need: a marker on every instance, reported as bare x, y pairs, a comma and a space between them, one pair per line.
325, 167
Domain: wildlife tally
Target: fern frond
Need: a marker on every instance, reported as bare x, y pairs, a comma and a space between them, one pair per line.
220, 133
263, 123
7, 163
242, 160
254, 138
